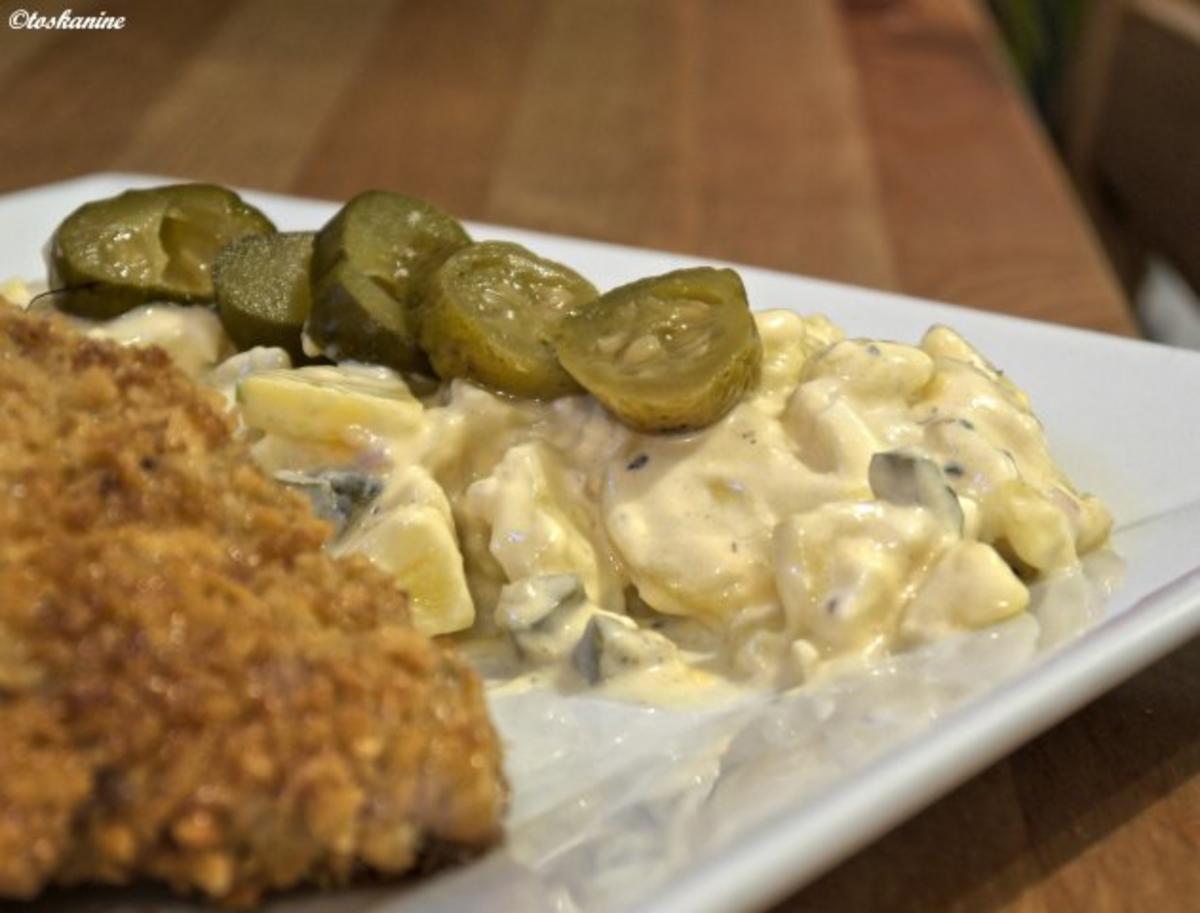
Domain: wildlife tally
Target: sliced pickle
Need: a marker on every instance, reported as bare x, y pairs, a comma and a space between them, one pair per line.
112, 255
355, 319
262, 290
490, 314
369, 266
669, 353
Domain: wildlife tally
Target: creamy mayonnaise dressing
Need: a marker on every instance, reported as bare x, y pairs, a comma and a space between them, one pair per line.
192, 336
865, 497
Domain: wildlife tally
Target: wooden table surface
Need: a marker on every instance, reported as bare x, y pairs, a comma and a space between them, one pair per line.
880, 143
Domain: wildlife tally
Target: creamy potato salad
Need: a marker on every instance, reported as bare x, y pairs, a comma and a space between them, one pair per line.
863, 497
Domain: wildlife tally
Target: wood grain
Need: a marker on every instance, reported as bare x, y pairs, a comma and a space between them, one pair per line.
268, 132
429, 106
644, 135
875, 142
71, 106
977, 207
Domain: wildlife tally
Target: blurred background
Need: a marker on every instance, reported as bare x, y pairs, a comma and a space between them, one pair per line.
1117, 85
1032, 157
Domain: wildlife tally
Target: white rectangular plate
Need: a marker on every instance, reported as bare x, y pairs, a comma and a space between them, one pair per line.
620, 808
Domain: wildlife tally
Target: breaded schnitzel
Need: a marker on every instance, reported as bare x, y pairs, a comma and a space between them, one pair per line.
191, 690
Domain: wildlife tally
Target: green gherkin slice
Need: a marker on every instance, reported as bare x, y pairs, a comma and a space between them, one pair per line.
355, 319
111, 255
369, 267
263, 291
668, 353
490, 315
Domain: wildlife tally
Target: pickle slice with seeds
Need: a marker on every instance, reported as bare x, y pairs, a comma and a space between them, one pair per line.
369, 266
354, 318
668, 353
109, 256
491, 312
262, 289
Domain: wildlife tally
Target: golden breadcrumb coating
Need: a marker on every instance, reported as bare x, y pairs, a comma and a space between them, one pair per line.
191, 690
